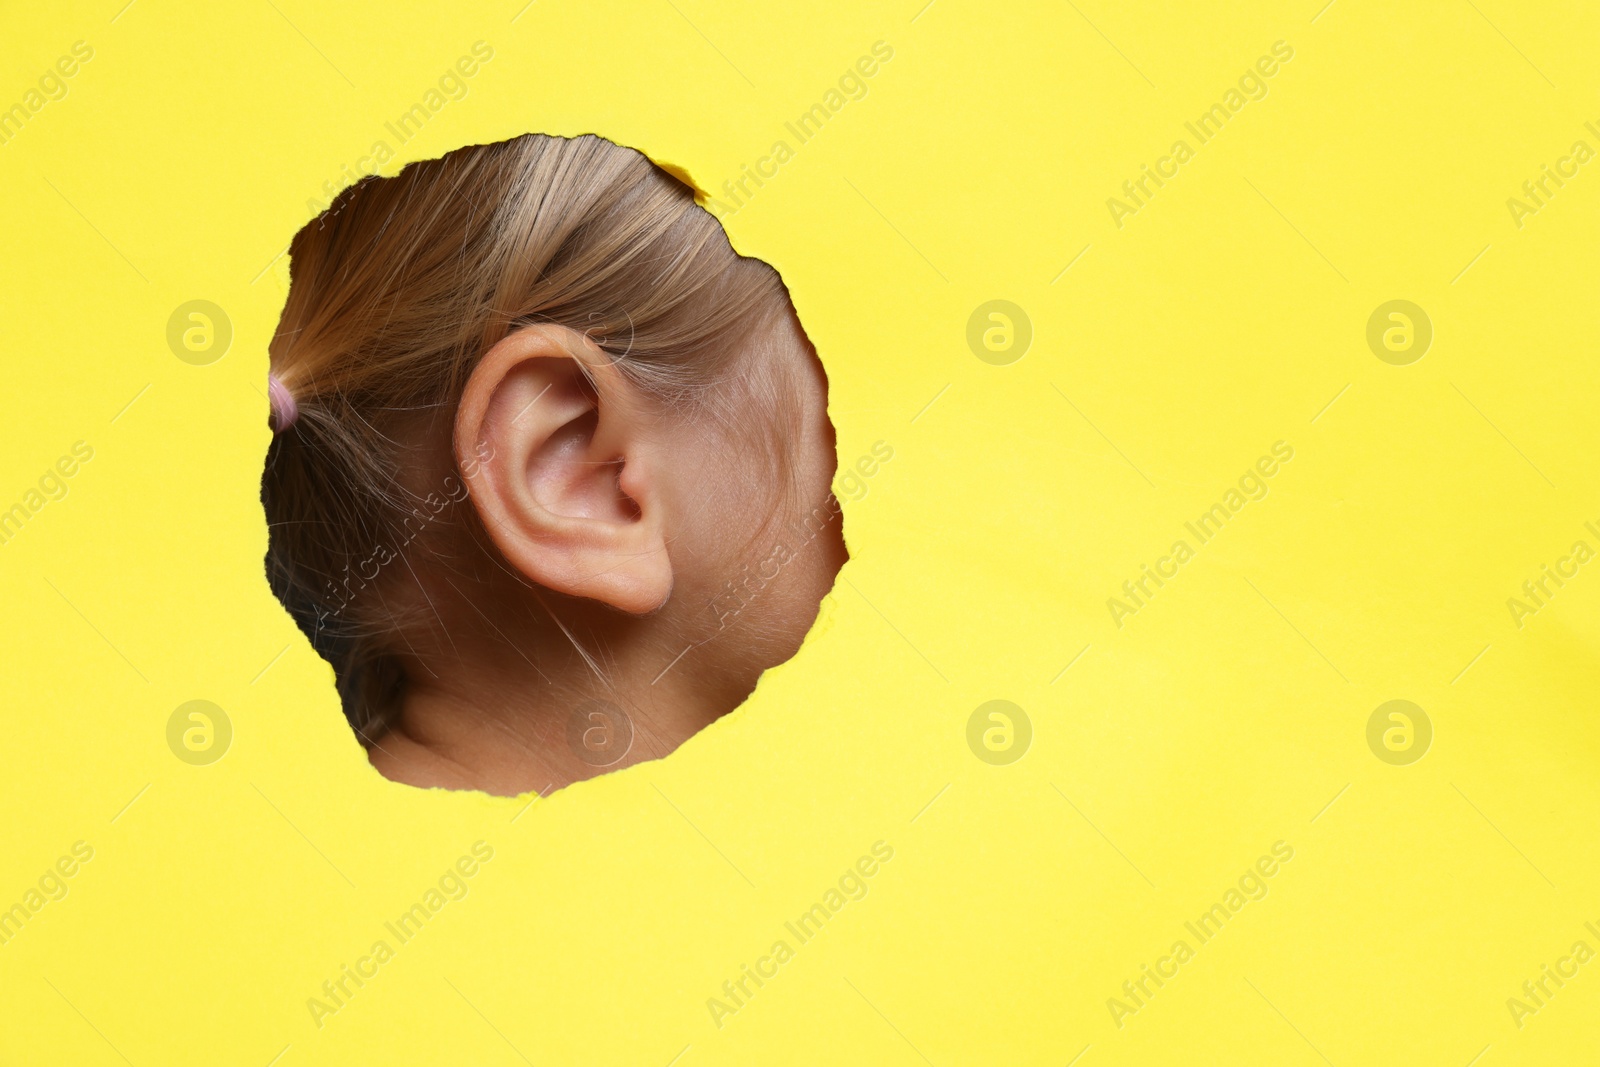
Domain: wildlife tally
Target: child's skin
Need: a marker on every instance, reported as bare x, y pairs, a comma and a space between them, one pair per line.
626, 521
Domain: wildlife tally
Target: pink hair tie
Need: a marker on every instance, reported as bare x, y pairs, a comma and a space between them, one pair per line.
284, 409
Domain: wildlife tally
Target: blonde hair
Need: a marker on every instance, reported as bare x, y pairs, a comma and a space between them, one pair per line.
398, 289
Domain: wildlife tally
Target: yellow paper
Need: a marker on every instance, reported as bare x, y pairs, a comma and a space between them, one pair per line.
1163, 743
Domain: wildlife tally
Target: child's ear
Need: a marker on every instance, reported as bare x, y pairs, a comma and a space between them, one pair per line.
553, 442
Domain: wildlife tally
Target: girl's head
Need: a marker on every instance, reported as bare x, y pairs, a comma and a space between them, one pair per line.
556, 447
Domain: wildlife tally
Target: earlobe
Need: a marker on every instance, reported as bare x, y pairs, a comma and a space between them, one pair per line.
553, 442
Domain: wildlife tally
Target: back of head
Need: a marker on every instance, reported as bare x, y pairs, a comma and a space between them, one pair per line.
396, 292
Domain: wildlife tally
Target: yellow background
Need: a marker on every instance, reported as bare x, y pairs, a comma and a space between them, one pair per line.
1229, 713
